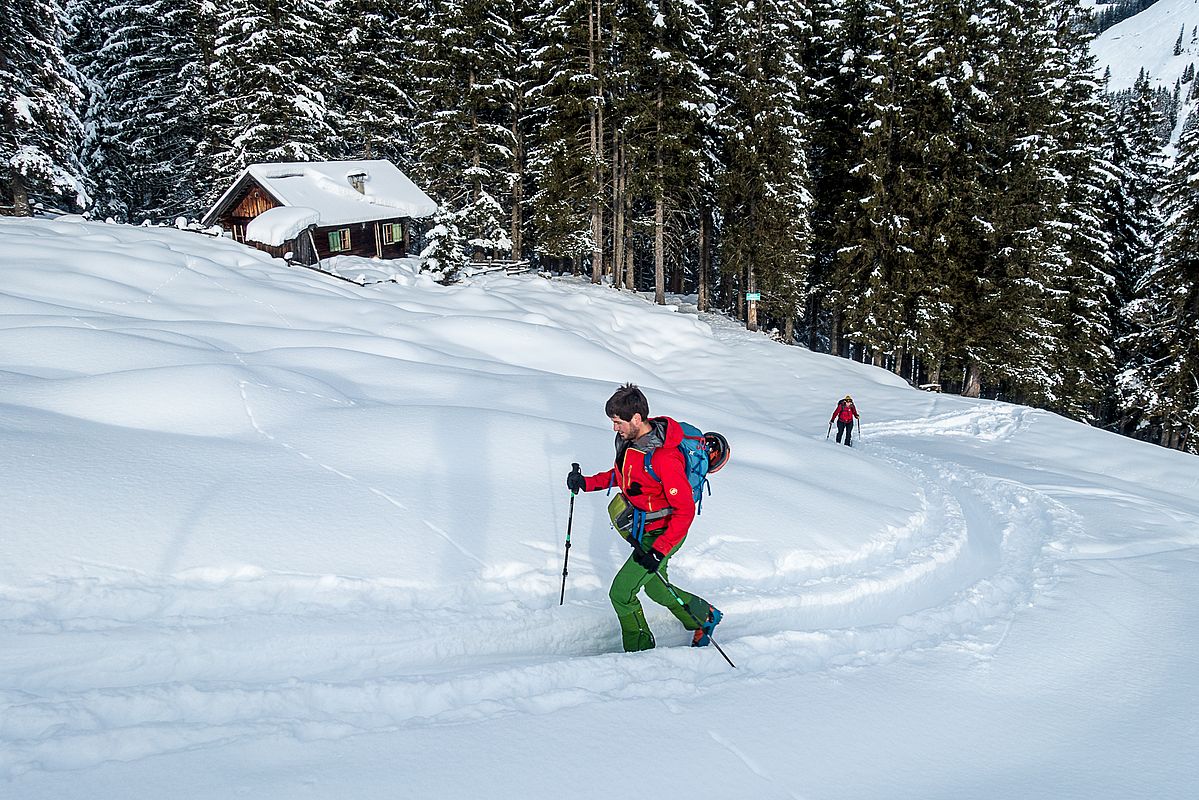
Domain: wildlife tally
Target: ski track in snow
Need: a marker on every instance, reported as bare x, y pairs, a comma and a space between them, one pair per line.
953, 577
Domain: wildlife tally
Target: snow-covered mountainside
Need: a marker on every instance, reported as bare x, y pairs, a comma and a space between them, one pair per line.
269, 534
1147, 41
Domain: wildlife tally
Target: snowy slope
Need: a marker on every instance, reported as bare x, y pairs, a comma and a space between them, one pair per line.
270, 534
1146, 41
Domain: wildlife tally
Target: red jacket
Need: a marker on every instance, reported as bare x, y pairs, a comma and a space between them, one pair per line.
845, 412
669, 490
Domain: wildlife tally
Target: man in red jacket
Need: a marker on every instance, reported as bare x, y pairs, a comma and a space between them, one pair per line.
652, 478
845, 413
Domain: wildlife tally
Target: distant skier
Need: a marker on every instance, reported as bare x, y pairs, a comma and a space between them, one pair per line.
651, 475
844, 414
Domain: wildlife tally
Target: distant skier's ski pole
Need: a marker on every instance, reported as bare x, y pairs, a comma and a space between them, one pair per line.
698, 624
830, 430
569, 521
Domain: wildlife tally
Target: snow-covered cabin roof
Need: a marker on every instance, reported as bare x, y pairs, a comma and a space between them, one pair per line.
276, 225
329, 188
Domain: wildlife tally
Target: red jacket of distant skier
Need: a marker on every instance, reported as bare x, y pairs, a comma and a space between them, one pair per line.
844, 412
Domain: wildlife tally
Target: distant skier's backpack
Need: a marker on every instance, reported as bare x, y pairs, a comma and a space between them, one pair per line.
703, 454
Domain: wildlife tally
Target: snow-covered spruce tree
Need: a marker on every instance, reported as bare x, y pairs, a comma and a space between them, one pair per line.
40, 100
525, 72
464, 60
1133, 221
955, 201
88, 28
1003, 327
881, 258
672, 117
148, 119
271, 70
564, 162
1138, 163
1083, 305
765, 199
703, 229
487, 228
621, 126
445, 247
836, 54
1160, 389
374, 81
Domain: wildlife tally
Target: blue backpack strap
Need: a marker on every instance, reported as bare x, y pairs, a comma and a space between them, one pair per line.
649, 464
638, 524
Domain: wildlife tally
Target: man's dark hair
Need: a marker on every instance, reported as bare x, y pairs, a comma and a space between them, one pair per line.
627, 401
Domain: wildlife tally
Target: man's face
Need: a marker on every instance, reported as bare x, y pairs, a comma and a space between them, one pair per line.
627, 429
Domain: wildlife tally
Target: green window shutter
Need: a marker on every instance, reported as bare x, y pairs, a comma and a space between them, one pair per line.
339, 240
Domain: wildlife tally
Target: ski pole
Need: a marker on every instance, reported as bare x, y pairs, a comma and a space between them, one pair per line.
694, 618
830, 430
569, 521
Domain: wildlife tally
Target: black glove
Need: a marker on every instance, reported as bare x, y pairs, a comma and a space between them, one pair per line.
649, 559
575, 480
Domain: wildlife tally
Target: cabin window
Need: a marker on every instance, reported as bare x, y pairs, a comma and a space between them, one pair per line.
339, 241
392, 232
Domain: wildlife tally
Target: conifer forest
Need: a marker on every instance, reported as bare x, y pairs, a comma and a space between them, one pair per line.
942, 188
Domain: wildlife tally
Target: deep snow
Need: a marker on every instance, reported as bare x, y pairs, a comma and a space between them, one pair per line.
271, 534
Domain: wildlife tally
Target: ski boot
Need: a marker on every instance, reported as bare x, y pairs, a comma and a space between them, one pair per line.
703, 636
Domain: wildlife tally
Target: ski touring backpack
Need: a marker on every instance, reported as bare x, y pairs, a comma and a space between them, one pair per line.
703, 454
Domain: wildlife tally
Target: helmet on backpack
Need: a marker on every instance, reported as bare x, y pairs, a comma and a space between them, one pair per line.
718, 451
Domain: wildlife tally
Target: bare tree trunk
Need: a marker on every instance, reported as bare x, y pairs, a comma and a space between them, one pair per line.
597, 218
751, 313
1171, 436
813, 316
972, 386
659, 248
738, 282
518, 182
618, 241
705, 258
834, 333
934, 371
20, 196
659, 211
477, 183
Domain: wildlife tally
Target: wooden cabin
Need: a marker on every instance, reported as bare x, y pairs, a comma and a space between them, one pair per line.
308, 211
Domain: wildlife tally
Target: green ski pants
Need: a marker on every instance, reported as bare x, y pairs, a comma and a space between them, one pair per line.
630, 579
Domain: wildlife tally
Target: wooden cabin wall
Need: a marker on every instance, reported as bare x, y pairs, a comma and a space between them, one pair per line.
366, 240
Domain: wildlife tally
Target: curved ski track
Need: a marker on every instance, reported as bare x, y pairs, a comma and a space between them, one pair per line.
133, 666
